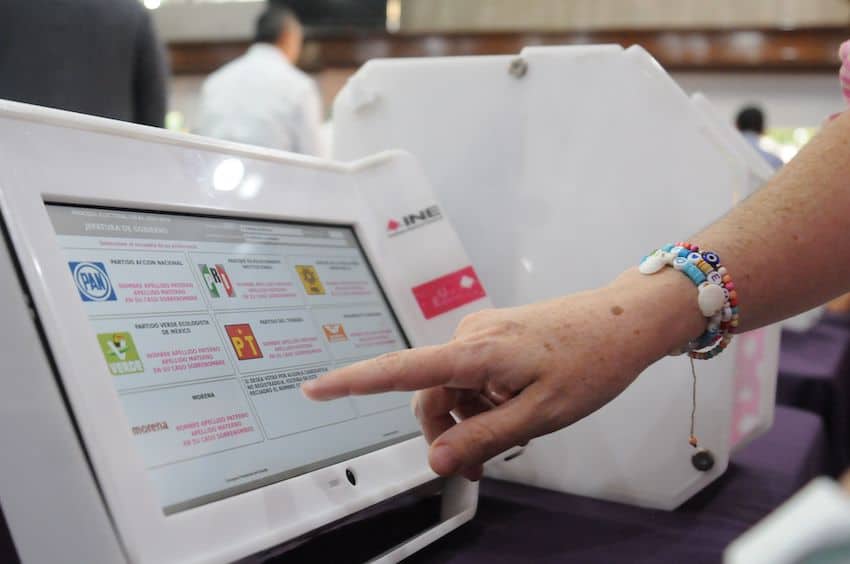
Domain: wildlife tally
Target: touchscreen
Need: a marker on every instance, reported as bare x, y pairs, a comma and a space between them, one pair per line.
207, 327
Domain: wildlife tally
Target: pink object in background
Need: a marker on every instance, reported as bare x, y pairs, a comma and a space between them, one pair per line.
748, 392
844, 73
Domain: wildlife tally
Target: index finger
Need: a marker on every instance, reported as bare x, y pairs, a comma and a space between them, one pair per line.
407, 370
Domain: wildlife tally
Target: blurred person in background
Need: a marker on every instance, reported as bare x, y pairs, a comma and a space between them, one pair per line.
262, 98
98, 57
750, 123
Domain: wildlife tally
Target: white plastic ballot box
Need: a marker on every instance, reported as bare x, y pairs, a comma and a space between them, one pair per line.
163, 298
560, 168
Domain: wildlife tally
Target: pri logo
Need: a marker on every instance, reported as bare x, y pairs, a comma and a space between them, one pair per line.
244, 342
92, 281
414, 220
334, 333
217, 281
310, 279
120, 353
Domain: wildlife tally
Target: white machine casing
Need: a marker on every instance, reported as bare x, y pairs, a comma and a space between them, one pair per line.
74, 487
560, 168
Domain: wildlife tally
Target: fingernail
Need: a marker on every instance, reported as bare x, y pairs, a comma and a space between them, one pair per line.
443, 460
474, 474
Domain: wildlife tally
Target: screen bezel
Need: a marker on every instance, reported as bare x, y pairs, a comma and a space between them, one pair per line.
216, 496
166, 169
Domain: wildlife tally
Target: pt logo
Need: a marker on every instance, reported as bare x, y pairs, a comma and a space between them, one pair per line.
244, 342
120, 353
413, 221
217, 281
92, 281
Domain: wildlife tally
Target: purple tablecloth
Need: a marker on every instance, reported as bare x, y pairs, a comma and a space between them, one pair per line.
519, 524
814, 374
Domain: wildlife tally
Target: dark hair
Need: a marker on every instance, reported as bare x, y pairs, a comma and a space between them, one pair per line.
750, 118
274, 22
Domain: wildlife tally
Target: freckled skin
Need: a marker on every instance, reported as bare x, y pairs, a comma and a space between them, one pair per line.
617, 310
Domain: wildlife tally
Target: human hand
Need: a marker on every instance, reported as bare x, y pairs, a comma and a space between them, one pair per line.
510, 375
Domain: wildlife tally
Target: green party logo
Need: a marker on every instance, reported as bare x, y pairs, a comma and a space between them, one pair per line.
120, 353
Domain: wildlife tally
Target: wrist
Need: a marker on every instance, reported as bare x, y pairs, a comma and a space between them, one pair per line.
666, 310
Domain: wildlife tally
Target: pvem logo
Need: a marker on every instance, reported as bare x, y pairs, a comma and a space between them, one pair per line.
92, 281
413, 221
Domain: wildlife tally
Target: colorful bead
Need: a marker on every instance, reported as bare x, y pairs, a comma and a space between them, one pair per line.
711, 258
705, 267
717, 295
694, 273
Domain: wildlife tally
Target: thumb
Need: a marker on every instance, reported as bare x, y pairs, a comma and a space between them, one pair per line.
477, 439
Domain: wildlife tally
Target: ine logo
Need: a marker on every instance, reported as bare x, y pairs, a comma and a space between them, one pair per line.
92, 281
414, 220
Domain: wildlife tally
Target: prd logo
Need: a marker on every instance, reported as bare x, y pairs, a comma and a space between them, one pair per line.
217, 281
92, 281
120, 353
244, 342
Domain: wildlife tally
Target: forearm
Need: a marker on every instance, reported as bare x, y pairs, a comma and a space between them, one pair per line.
787, 247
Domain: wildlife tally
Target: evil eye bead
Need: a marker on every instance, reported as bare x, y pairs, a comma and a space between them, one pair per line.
715, 278
711, 258
680, 262
694, 257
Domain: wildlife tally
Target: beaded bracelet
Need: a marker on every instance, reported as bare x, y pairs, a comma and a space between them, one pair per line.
717, 297
718, 302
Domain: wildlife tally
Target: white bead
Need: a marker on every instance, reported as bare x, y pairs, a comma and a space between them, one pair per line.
722, 271
727, 314
714, 322
710, 299
651, 265
715, 278
679, 263
668, 257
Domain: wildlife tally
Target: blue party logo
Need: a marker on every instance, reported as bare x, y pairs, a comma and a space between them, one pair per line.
92, 281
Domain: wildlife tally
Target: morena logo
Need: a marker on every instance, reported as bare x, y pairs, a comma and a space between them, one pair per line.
414, 220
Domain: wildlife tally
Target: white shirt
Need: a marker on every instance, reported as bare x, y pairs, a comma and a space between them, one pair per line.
263, 99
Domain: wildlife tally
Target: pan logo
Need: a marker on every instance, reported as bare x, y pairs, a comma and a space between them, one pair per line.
413, 221
217, 281
92, 281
